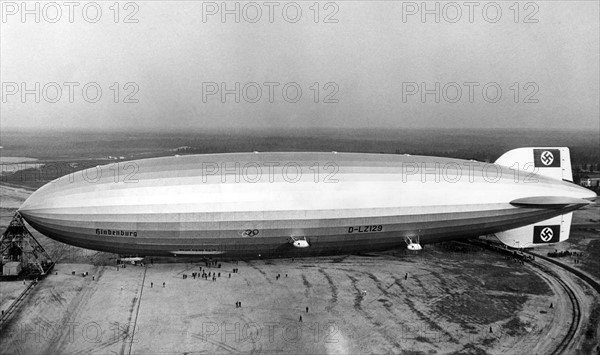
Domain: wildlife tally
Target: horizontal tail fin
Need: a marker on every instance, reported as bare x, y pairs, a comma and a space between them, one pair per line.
550, 231
554, 162
548, 202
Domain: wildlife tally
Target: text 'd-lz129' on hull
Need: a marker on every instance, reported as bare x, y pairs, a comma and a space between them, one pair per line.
261, 205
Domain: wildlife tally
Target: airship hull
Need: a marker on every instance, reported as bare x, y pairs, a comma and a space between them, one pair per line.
256, 205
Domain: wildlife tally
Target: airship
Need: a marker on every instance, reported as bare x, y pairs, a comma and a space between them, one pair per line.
290, 204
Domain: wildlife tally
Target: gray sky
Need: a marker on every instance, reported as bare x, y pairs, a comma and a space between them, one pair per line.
374, 57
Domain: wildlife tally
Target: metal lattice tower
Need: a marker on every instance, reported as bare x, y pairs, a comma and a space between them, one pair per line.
19, 245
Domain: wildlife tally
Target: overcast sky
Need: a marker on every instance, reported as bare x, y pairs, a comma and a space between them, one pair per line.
375, 55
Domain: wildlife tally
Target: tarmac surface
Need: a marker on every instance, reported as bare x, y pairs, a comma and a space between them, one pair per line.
356, 304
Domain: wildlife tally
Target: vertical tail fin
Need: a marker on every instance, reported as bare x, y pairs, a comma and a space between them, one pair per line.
550, 231
551, 162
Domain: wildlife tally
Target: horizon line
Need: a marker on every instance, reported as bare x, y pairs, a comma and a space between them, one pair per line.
232, 130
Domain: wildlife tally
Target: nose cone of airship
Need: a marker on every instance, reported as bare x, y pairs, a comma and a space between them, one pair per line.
36, 199
30, 206
41, 206
33, 202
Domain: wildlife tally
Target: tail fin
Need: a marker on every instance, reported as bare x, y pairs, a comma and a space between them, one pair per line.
550, 231
552, 162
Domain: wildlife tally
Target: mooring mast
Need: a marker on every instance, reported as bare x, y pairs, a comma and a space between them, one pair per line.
21, 252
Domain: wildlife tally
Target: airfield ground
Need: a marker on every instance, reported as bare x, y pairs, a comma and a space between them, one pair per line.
452, 297
357, 304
